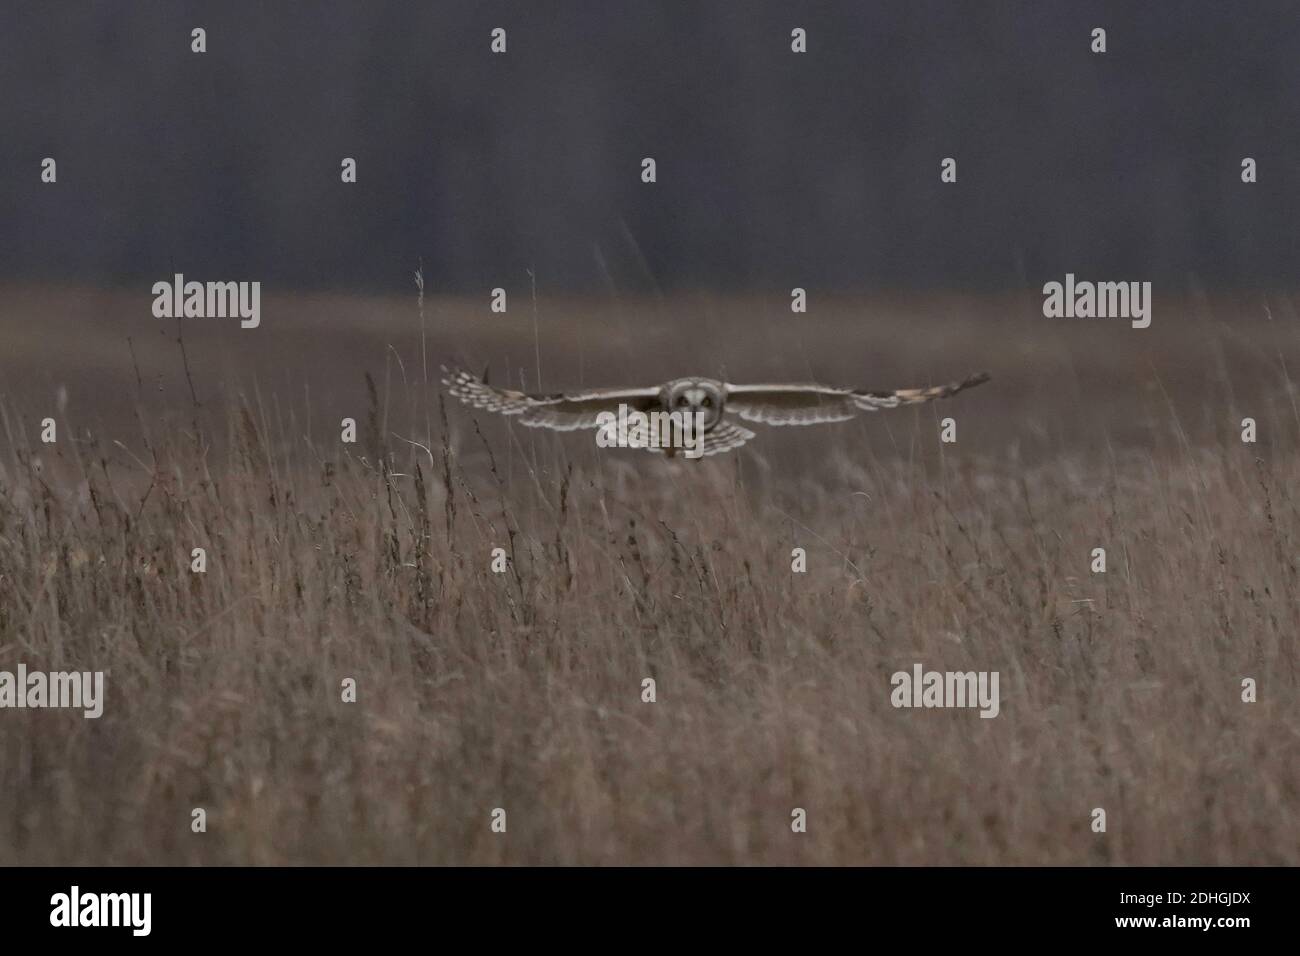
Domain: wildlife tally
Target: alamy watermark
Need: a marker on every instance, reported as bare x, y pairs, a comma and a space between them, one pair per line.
922, 688
208, 300
82, 690
75, 908
1098, 300
670, 431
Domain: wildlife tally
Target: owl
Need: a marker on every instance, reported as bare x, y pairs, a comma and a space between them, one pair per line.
715, 405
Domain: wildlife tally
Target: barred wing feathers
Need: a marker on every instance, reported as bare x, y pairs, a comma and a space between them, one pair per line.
563, 411
810, 404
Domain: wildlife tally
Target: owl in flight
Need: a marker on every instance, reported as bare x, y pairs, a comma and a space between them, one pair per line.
717, 404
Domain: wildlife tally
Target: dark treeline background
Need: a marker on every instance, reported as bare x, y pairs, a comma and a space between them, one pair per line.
775, 169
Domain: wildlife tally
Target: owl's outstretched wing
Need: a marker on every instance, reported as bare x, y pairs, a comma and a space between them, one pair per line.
814, 404
563, 411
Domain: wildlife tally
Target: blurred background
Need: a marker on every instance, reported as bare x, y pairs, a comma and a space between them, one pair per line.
774, 169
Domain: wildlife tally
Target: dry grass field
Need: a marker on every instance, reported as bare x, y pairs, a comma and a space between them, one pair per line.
522, 690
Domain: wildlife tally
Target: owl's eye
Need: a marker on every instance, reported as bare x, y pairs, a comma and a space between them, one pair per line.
708, 402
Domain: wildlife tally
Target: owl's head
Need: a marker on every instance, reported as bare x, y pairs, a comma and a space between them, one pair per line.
695, 395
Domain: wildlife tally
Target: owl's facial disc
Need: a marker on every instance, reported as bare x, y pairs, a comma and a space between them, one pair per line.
692, 397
